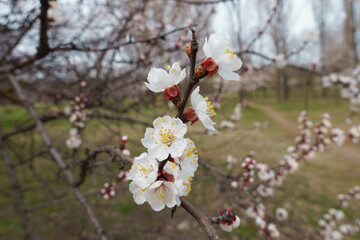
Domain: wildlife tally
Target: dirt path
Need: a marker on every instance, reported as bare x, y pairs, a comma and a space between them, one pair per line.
291, 127
350, 152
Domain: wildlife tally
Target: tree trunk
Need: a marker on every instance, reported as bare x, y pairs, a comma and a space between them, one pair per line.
350, 32
286, 86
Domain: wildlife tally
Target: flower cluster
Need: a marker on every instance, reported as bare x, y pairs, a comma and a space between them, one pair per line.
269, 229
257, 212
124, 150
306, 146
248, 166
227, 220
165, 172
122, 176
328, 224
77, 118
321, 130
350, 86
349, 229
108, 190
345, 198
354, 134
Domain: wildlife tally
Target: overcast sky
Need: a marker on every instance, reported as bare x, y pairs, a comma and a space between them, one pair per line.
301, 22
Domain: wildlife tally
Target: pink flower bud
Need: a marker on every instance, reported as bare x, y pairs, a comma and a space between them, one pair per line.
124, 140
191, 116
171, 92
210, 65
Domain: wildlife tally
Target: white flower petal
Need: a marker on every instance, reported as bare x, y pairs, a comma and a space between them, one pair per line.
153, 88
226, 228
207, 122
217, 45
147, 141
236, 223
160, 152
206, 49
229, 62
138, 194
228, 75
177, 147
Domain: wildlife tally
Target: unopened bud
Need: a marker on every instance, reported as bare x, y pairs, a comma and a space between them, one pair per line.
190, 115
199, 71
141, 58
210, 65
124, 140
171, 92
188, 49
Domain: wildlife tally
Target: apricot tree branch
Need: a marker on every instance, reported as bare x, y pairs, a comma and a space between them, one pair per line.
201, 218
17, 194
55, 154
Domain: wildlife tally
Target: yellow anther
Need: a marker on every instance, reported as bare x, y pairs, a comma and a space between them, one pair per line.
210, 112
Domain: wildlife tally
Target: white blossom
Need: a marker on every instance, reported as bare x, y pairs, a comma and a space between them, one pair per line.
355, 133
236, 116
159, 79
144, 171
216, 48
188, 161
338, 136
281, 214
260, 222
165, 138
67, 110
280, 61
336, 235
227, 124
203, 109
265, 173
229, 227
274, 232
231, 161
161, 194
74, 141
